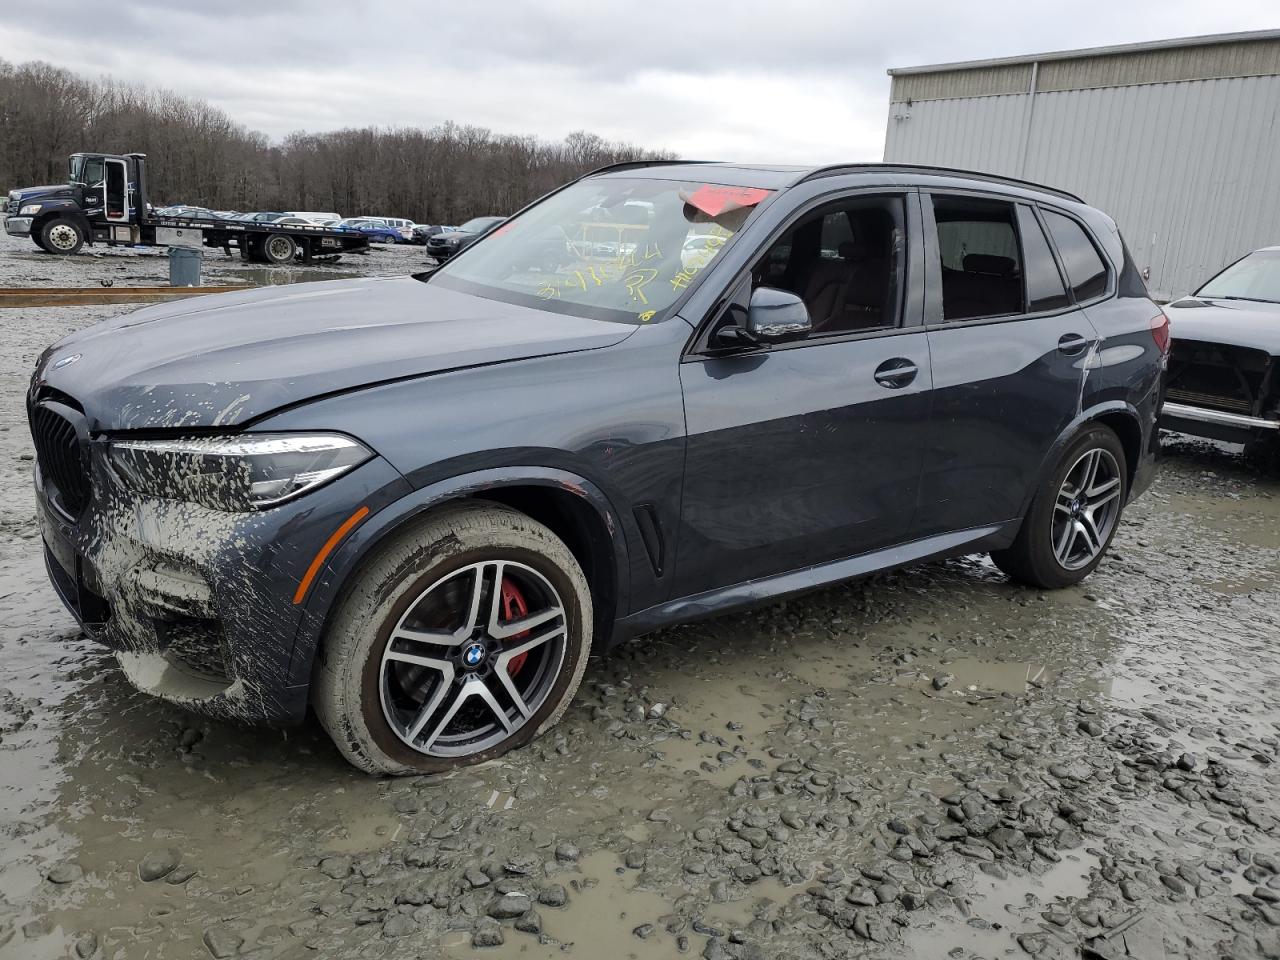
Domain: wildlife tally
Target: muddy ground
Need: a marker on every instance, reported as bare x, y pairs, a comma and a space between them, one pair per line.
933, 763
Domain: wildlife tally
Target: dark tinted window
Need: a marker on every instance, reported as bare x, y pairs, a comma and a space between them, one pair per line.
1045, 289
980, 258
846, 261
1085, 269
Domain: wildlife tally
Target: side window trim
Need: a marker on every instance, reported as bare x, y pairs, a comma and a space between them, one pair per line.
1112, 273
910, 297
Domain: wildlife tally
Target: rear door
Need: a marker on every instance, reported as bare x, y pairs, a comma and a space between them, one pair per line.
811, 451
1009, 350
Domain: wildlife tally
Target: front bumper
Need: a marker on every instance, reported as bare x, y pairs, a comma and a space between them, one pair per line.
18, 226
1216, 424
198, 604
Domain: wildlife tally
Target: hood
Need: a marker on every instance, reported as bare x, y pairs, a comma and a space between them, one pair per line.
227, 359
47, 192
1237, 323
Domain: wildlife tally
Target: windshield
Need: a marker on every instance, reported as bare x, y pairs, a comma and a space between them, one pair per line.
478, 224
1256, 277
609, 248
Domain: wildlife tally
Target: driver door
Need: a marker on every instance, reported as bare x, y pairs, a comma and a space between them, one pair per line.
808, 452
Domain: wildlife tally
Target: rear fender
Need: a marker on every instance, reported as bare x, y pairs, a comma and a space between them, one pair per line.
1073, 429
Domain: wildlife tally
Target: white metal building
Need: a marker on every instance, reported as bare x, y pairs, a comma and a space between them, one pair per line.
1179, 140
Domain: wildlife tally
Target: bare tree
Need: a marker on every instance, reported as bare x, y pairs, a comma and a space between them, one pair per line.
200, 155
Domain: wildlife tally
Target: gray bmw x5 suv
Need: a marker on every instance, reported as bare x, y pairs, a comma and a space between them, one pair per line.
663, 391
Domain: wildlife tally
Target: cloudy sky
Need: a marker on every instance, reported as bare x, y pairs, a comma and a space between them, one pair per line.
786, 80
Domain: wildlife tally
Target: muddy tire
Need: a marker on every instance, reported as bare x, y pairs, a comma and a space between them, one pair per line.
278, 248
1263, 454
61, 236
1073, 516
466, 636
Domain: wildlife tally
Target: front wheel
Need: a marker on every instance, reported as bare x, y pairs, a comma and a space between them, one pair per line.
61, 236
1074, 514
467, 636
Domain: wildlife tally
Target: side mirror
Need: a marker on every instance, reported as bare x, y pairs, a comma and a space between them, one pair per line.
777, 316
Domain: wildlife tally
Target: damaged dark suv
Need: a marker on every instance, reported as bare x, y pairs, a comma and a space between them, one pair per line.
661, 392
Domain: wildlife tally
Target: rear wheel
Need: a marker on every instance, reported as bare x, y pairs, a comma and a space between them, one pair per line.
1264, 453
278, 248
1073, 516
61, 235
466, 637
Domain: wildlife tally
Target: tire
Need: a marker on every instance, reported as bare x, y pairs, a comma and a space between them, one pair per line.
1263, 453
1037, 557
278, 248
433, 568
61, 236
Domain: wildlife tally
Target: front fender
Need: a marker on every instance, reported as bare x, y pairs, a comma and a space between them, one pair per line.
54, 209
364, 541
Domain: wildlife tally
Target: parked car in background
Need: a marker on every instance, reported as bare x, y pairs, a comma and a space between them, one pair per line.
376, 231
313, 216
401, 226
422, 232
446, 244
188, 211
1224, 369
266, 216
614, 444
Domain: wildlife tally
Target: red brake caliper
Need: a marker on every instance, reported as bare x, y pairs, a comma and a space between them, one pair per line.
514, 607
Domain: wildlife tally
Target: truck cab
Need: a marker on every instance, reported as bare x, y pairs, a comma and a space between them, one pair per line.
96, 203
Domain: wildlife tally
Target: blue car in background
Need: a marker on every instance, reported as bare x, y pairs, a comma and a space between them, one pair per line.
376, 231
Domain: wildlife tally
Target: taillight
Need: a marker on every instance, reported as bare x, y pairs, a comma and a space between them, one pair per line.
1160, 332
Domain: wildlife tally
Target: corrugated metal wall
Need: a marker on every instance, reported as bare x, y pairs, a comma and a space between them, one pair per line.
1190, 170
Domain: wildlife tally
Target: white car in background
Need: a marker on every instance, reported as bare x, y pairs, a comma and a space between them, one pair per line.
313, 216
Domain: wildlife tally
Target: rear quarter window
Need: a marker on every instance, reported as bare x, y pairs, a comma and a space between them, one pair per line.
1086, 270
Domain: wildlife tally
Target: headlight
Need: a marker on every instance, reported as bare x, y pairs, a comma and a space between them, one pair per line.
246, 472
30, 210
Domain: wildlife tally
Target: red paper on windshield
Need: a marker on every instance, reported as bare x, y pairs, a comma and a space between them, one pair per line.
713, 199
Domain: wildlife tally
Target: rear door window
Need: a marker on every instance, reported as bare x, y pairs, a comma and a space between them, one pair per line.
980, 258
1085, 267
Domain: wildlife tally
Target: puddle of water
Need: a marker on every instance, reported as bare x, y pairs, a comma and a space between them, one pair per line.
973, 676
276, 276
1001, 909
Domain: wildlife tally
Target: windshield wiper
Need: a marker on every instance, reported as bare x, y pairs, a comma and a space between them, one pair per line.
1250, 299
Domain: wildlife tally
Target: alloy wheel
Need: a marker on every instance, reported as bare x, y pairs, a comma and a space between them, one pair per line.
473, 658
1086, 509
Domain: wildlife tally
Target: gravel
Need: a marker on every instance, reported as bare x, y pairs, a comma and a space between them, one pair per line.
932, 762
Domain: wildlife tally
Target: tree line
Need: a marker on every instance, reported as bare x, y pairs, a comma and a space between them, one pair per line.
199, 155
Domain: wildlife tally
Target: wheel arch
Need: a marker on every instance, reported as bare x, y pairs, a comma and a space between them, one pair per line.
573, 508
63, 213
1120, 417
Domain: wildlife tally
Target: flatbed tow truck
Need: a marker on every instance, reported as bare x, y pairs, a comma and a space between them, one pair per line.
105, 201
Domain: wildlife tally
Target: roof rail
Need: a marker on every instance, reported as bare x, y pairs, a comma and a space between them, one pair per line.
635, 164
928, 168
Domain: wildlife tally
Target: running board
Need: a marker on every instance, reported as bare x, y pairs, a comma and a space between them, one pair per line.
767, 589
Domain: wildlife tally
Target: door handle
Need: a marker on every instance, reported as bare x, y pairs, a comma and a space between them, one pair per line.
896, 373
1072, 344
